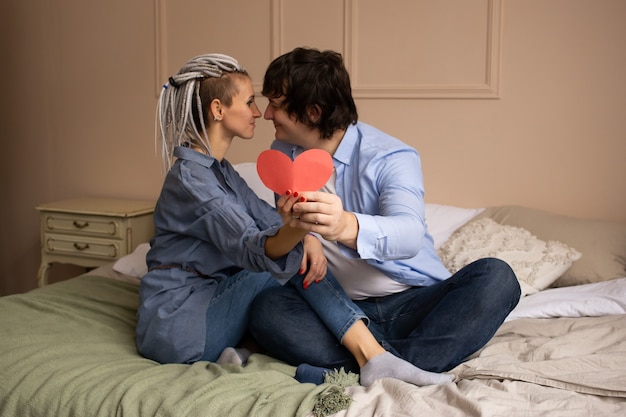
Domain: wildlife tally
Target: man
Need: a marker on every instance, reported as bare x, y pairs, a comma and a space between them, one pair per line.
370, 219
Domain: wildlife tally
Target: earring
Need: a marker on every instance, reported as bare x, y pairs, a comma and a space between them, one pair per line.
217, 119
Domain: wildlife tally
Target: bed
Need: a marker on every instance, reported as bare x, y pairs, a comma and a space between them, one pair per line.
68, 349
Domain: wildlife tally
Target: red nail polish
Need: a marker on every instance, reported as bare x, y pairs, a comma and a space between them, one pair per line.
305, 285
301, 271
302, 199
296, 194
288, 192
317, 281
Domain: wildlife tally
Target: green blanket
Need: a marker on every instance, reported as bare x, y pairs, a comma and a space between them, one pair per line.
68, 349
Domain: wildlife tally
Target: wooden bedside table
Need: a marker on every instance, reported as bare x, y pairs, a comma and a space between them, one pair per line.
91, 232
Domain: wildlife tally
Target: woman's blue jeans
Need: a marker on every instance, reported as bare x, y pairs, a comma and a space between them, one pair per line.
434, 327
229, 310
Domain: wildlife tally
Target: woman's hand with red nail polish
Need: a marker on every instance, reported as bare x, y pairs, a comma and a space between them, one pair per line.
314, 261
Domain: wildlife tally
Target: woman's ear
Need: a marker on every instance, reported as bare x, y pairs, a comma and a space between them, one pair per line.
215, 110
314, 113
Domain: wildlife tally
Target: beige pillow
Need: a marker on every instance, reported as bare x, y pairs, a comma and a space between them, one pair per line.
536, 263
602, 243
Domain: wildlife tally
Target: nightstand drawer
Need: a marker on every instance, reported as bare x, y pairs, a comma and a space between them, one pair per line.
83, 225
92, 232
88, 248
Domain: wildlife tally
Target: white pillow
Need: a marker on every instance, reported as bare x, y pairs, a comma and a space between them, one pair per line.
133, 264
587, 300
443, 220
536, 263
247, 171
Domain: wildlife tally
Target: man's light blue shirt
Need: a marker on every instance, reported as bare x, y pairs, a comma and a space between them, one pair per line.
379, 179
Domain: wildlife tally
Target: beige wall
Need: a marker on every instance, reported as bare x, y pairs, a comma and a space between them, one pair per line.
508, 101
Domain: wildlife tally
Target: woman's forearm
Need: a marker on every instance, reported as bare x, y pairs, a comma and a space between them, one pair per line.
283, 242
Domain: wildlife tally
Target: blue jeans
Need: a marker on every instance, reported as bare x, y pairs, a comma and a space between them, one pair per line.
330, 303
324, 305
228, 312
434, 327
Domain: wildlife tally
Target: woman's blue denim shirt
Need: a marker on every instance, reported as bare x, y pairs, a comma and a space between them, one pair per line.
207, 219
209, 225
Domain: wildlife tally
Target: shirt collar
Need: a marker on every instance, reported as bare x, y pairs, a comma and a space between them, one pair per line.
343, 153
183, 152
347, 147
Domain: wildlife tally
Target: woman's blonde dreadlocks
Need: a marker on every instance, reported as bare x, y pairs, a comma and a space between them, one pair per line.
182, 107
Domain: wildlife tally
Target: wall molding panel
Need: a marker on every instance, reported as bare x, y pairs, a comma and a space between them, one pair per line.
160, 50
276, 26
447, 55
484, 85
451, 55
186, 28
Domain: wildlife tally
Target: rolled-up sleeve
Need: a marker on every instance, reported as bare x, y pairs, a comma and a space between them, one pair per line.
397, 229
209, 219
244, 243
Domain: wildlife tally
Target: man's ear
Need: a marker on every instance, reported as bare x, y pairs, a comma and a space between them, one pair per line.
314, 113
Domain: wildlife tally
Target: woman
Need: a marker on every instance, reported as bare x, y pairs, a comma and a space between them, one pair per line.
216, 244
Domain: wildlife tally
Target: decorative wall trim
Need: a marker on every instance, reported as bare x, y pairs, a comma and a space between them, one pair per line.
160, 42
276, 28
487, 89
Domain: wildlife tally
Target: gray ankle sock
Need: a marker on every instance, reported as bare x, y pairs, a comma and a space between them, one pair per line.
233, 356
386, 365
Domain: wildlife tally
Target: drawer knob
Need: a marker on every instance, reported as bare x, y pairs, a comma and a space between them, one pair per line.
80, 225
81, 247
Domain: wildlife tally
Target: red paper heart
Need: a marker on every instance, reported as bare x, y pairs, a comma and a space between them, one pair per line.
309, 172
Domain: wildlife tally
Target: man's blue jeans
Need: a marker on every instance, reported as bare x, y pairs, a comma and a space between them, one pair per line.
434, 327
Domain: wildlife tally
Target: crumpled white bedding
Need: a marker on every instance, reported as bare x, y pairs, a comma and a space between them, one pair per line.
488, 398
561, 352
532, 367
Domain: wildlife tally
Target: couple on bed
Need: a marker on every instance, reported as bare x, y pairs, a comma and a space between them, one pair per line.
343, 277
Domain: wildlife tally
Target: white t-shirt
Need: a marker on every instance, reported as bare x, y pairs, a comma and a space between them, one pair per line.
359, 279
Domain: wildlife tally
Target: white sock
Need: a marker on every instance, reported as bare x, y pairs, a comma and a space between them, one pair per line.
233, 356
386, 365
